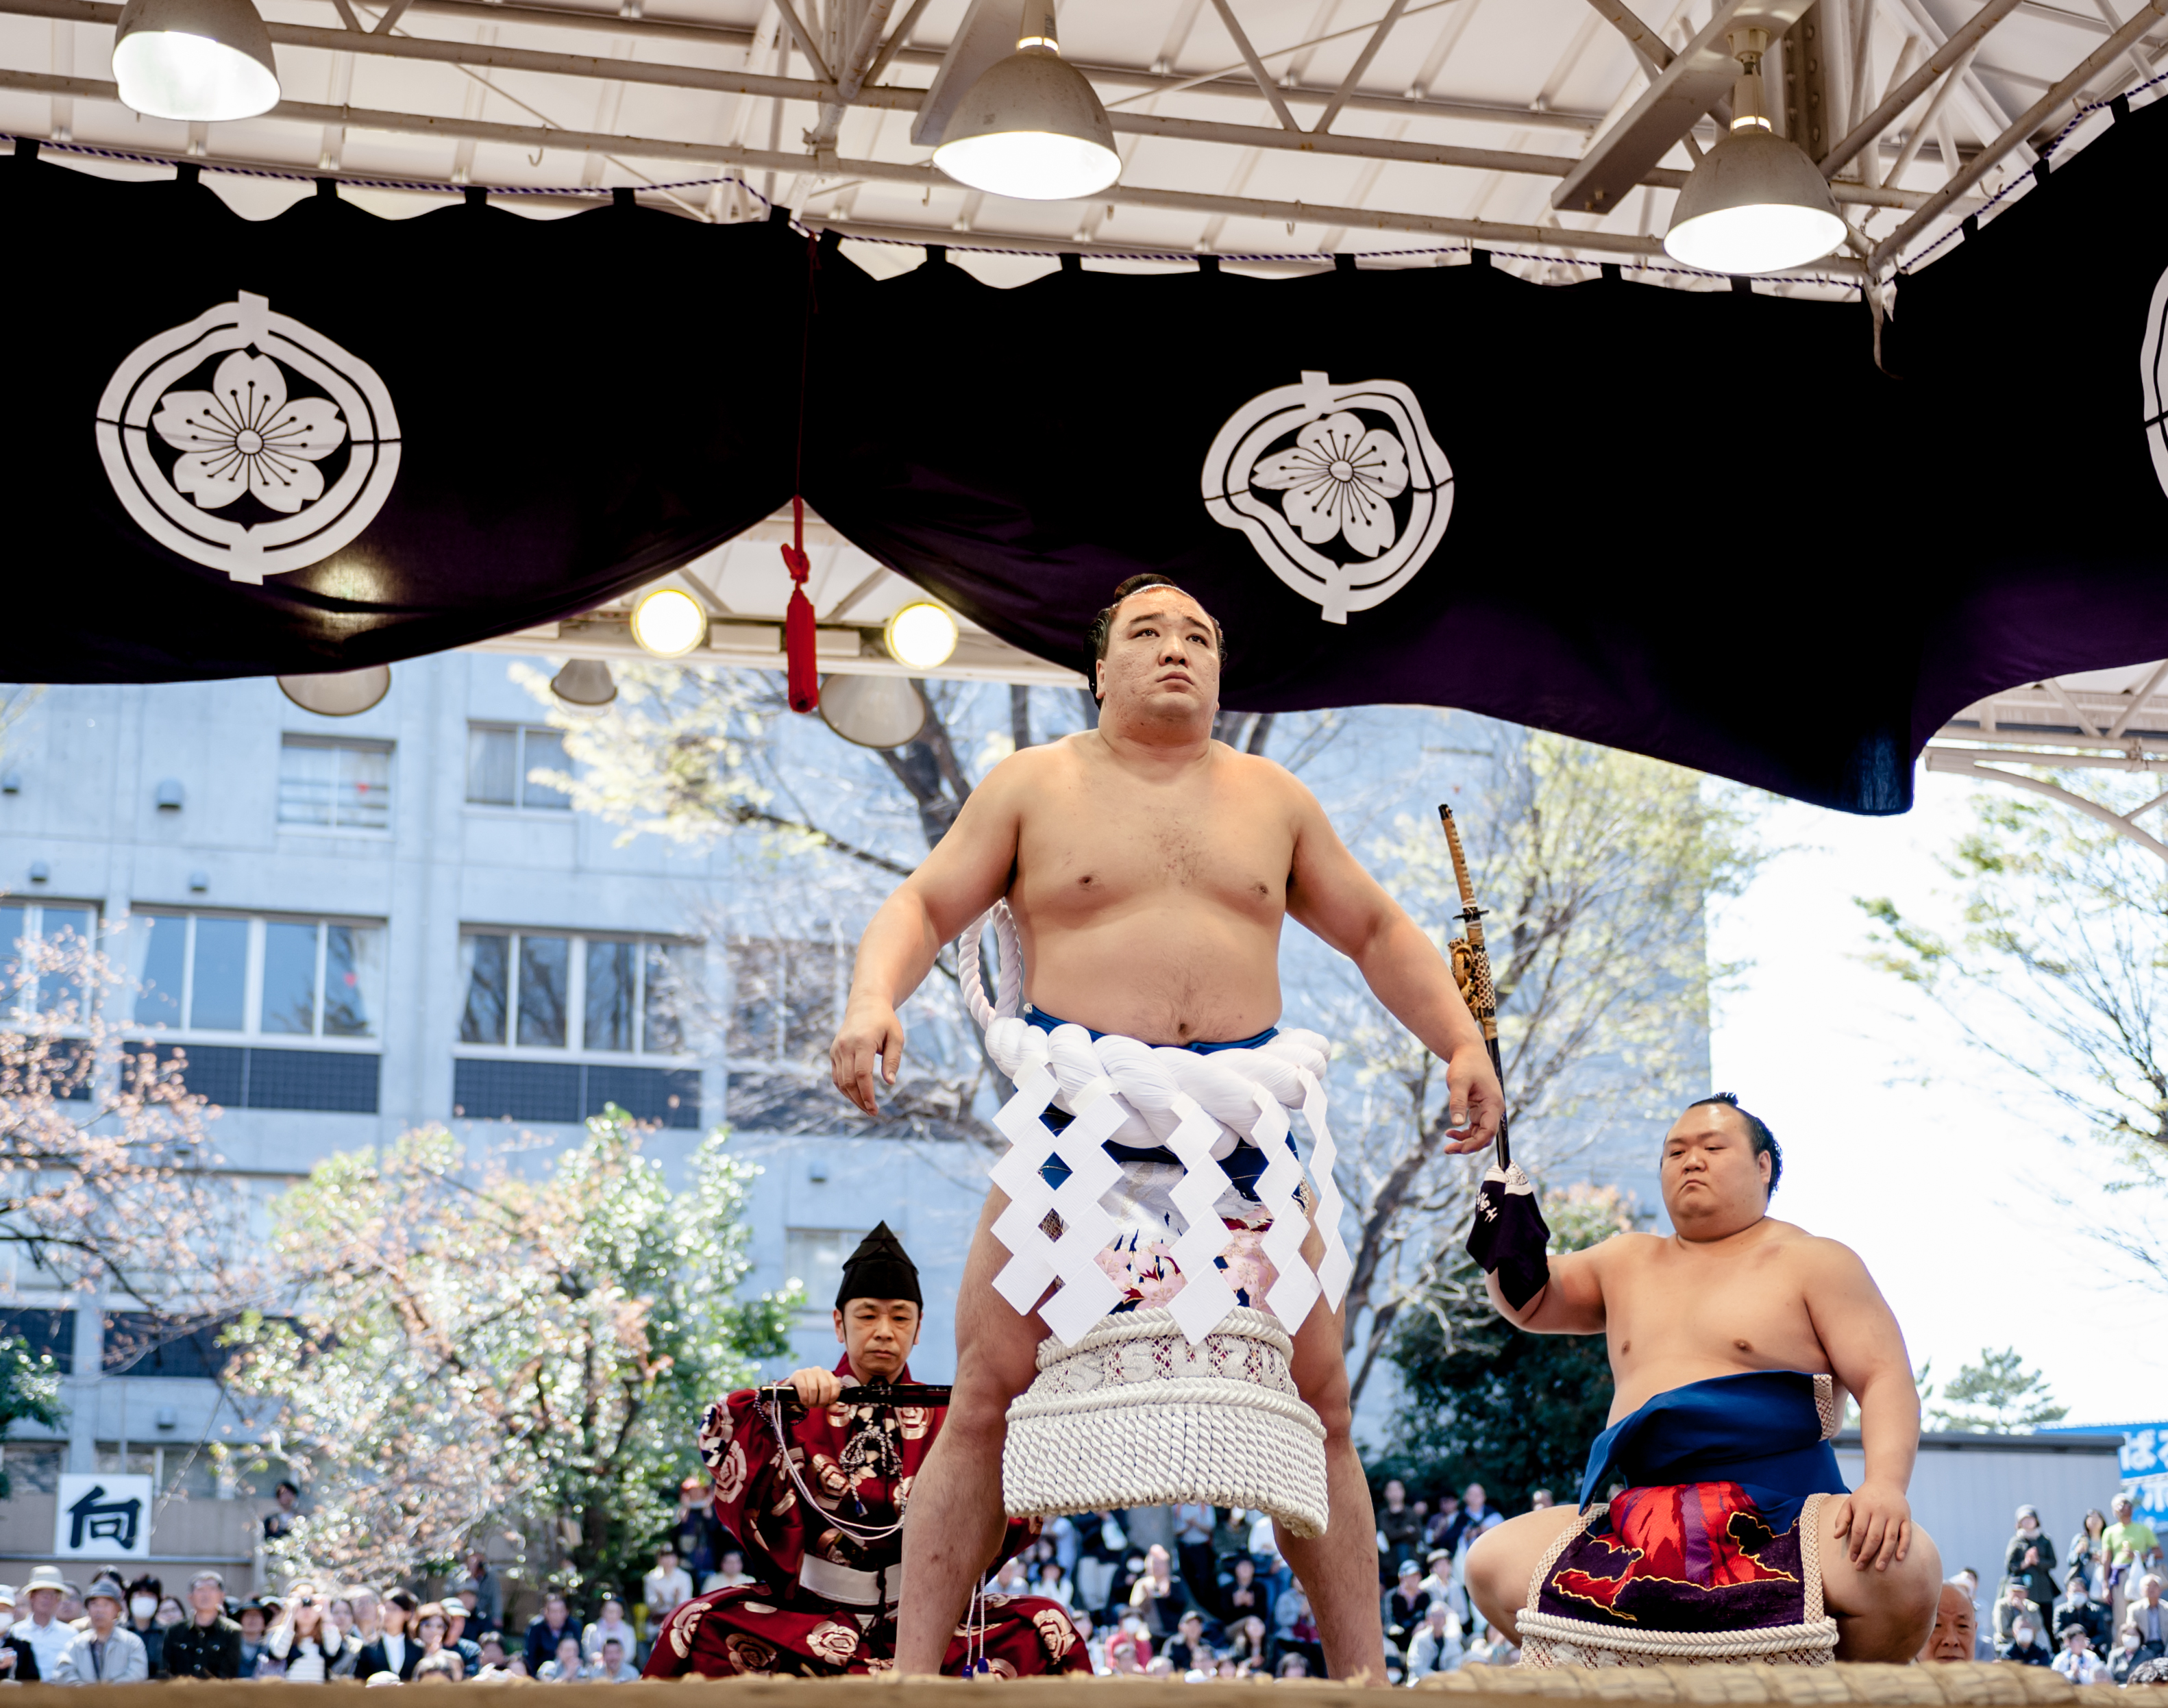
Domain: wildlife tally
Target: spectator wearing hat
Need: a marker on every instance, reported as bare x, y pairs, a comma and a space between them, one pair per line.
1438, 1580
395, 1651
41, 1628
1404, 1606
2077, 1662
2030, 1560
253, 1618
108, 1653
18, 1662
206, 1644
456, 1638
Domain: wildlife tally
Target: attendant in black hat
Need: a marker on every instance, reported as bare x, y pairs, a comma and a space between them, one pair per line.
820, 1525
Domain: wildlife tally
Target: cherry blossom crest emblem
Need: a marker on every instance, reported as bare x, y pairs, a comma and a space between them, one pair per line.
247, 442
1341, 488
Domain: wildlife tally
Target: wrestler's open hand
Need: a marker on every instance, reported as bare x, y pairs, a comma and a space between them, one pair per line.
1877, 1520
871, 1037
816, 1388
1473, 1099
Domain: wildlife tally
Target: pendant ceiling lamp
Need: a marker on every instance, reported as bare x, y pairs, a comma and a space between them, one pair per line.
201, 60
873, 711
1755, 203
345, 693
1031, 127
584, 686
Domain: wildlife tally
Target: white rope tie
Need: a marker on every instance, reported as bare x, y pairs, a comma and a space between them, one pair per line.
1121, 1092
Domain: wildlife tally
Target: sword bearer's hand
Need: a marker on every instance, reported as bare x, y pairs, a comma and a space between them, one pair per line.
817, 1389
871, 1040
1877, 1520
1473, 1098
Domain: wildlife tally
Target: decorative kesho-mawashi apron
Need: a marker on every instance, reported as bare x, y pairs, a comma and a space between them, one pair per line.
1713, 1552
1158, 1191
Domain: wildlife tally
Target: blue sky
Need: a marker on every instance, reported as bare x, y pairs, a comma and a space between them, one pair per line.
1903, 1141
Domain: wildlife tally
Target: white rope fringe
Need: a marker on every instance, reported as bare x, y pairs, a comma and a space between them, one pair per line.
1122, 1091
1135, 1414
1552, 1640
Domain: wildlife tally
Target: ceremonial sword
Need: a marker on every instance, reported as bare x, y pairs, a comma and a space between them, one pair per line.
1482, 996
872, 1393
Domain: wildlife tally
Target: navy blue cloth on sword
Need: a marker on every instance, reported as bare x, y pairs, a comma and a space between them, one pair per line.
1242, 1167
1761, 1430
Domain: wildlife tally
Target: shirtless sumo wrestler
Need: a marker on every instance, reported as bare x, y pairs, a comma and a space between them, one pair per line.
1149, 868
1731, 1290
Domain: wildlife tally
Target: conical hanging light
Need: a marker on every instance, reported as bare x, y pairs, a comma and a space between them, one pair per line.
1032, 127
583, 687
199, 59
1755, 203
873, 711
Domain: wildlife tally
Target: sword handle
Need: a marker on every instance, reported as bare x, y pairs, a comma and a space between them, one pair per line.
1486, 1004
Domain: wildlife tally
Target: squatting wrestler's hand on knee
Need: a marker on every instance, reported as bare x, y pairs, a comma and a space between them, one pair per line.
1878, 1519
871, 1036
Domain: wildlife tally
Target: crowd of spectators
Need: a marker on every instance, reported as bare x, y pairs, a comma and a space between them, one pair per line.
2105, 1623
1220, 1601
313, 1632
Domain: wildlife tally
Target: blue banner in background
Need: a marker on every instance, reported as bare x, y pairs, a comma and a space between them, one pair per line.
2144, 1461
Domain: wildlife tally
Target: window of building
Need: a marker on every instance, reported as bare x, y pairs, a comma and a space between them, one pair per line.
329, 784
813, 1255
555, 990
502, 760
541, 1001
184, 1467
27, 930
787, 998
219, 972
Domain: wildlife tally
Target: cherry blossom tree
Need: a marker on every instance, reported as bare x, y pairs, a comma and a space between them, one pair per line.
1596, 867
109, 1181
474, 1347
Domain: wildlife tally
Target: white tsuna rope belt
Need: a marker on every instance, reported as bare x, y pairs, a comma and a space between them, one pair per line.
1124, 1092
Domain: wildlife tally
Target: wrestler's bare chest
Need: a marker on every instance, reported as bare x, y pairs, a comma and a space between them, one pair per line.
1675, 1315
1152, 905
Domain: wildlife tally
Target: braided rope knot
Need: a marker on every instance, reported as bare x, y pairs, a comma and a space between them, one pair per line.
1123, 1092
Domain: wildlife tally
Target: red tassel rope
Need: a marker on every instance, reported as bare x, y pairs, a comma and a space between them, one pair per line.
798, 619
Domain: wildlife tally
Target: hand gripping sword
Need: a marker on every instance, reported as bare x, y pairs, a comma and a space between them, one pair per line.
1476, 986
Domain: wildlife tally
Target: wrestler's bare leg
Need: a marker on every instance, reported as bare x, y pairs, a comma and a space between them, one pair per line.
955, 1518
1502, 1561
1339, 1569
1882, 1614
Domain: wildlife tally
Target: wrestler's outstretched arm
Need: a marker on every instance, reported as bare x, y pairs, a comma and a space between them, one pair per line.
1866, 1350
966, 873
1571, 1302
1330, 893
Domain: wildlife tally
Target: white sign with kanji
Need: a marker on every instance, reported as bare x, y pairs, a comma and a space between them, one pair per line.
102, 1516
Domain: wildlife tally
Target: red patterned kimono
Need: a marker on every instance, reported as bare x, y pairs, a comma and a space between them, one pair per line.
825, 1601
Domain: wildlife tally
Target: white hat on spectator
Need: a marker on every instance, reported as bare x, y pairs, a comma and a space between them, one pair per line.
8, 1596
44, 1578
